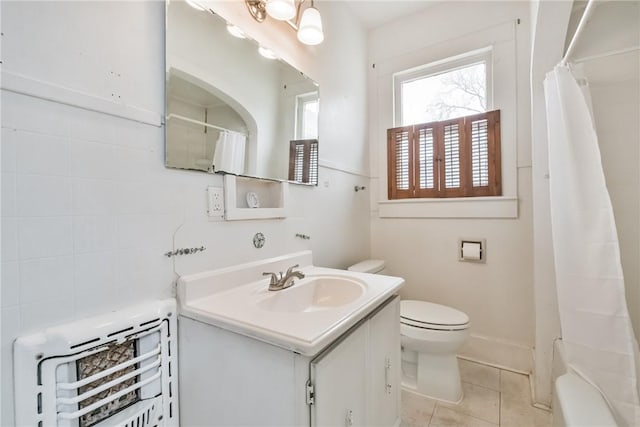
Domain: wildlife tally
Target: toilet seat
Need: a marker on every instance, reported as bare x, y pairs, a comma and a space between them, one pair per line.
427, 315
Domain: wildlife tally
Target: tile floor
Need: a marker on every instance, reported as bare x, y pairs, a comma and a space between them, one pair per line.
492, 397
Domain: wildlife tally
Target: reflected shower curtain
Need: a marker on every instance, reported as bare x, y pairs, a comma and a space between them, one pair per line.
596, 328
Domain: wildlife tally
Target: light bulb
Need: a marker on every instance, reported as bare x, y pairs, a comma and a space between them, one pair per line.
310, 30
267, 53
235, 31
282, 10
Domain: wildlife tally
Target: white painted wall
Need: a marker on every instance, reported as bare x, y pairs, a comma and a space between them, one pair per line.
550, 21
498, 295
88, 209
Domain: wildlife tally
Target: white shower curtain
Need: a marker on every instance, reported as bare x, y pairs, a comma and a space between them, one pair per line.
596, 328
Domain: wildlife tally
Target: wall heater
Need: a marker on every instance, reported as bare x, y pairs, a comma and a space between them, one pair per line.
117, 370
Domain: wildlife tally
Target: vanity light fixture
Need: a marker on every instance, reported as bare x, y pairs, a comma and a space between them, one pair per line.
282, 10
236, 32
310, 29
307, 22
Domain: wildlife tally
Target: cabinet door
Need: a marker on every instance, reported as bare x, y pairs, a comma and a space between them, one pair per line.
384, 365
339, 377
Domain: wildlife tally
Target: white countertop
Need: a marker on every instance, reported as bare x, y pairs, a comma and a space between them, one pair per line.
236, 306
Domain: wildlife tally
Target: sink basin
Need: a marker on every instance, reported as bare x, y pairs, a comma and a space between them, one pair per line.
313, 294
304, 318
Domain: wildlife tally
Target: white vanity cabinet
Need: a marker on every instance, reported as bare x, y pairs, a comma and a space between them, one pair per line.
230, 379
356, 380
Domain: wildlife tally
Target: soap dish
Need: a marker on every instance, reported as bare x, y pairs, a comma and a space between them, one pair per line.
252, 200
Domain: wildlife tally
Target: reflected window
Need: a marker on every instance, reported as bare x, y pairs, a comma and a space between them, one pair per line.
307, 108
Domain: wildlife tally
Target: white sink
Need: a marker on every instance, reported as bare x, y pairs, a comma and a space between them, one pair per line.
305, 317
314, 293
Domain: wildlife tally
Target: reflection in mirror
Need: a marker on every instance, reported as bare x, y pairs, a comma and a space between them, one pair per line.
231, 110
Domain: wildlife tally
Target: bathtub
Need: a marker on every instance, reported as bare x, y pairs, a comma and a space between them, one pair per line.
576, 402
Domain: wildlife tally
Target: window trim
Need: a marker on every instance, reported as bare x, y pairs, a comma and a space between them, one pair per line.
442, 66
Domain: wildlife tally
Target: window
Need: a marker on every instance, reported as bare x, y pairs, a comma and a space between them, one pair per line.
447, 145
307, 107
443, 90
303, 161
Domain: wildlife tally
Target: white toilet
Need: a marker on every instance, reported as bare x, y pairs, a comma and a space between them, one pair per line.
431, 335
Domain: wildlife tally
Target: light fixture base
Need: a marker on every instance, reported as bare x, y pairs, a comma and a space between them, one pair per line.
257, 9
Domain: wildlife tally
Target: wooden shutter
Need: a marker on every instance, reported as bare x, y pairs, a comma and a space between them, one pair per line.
400, 162
303, 161
483, 153
453, 158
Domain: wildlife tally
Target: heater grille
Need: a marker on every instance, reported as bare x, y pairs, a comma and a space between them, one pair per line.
115, 372
100, 389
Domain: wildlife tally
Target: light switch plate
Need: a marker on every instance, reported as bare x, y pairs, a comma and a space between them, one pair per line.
215, 203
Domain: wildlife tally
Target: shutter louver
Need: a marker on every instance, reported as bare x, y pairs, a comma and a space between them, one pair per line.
313, 166
298, 169
402, 160
426, 156
452, 156
479, 153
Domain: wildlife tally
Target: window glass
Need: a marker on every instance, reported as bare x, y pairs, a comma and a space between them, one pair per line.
308, 106
446, 95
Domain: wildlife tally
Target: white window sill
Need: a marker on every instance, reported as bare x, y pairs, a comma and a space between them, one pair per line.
461, 207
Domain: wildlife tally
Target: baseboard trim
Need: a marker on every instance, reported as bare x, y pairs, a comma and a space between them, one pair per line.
498, 353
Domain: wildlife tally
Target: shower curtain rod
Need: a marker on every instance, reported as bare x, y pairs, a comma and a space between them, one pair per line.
578, 32
198, 122
607, 54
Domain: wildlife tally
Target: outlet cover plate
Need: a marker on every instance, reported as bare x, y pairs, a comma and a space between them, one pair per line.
215, 203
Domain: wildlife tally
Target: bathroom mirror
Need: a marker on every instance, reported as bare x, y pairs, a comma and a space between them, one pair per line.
229, 109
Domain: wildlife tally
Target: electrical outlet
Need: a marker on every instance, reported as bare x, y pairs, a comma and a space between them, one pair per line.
215, 203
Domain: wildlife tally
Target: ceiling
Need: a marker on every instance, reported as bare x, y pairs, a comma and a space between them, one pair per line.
374, 13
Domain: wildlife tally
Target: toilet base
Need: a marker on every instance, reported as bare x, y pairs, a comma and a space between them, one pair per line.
435, 376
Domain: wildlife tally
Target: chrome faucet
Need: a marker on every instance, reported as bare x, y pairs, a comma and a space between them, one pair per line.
281, 282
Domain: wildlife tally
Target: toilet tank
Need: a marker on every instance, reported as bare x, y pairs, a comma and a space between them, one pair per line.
373, 266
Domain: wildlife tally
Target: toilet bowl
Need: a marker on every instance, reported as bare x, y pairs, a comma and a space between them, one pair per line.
430, 335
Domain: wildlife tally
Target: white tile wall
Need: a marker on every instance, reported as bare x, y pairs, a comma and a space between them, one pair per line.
45, 236
41, 154
45, 279
9, 238
41, 195
10, 296
94, 233
8, 150
8, 194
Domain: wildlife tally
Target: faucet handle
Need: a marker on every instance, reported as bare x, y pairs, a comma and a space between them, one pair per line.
290, 269
274, 277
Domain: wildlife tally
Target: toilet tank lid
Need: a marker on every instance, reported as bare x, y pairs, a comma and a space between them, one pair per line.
368, 266
428, 312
